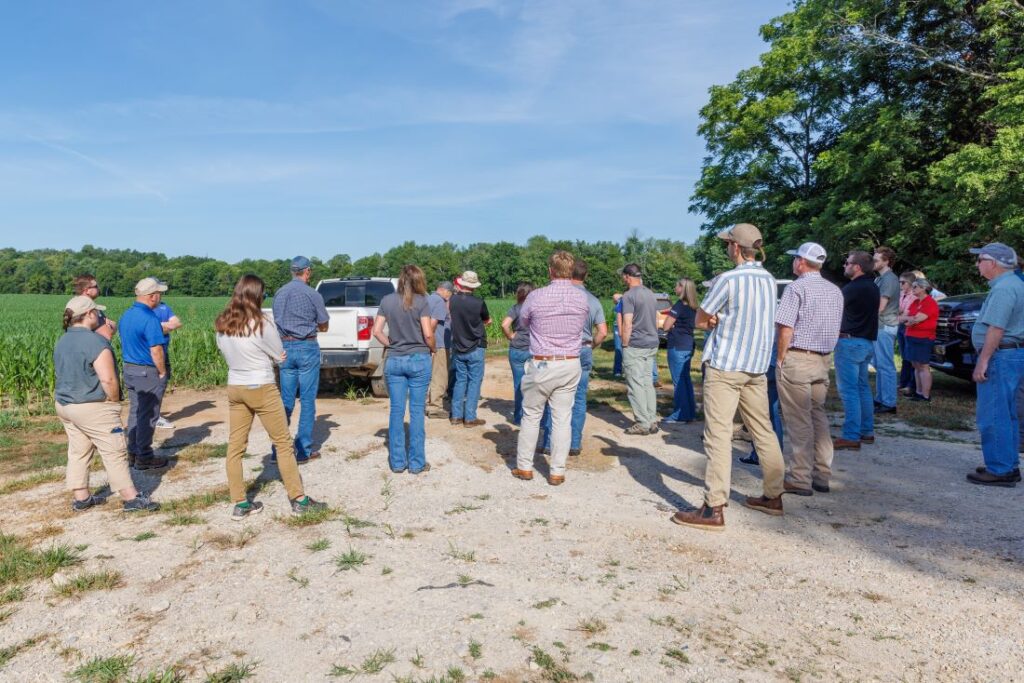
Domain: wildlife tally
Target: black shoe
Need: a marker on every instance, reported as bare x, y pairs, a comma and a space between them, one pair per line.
90, 502
140, 503
986, 478
751, 459
919, 397
150, 463
243, 510
1015, 472
575, 451
820, 488
884, 410
426, 468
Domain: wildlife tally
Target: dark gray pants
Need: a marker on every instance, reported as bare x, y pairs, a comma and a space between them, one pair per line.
145, 392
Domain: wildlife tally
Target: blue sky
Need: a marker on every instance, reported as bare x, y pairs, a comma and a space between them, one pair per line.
262, 129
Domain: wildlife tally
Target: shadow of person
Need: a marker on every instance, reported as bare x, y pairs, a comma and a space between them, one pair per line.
190, 410
506, 445
609, 414
322, 429
502, 406
651, 473
268, 474
148, 481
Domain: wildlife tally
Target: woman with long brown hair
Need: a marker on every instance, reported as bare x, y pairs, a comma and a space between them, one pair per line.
518, 349
408, 343
251, 345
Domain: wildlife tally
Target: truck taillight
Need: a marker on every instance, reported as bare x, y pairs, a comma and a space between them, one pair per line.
364, 328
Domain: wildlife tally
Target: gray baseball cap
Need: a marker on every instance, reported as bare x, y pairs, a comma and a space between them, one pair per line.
300, 263
1000, 253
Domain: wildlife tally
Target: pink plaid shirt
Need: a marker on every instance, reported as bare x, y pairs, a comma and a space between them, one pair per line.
813, 307
555, 316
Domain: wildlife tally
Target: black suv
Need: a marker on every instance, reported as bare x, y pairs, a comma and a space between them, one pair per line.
953, 352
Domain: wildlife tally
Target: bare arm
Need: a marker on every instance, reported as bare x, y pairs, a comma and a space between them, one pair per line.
323, 327
602, 332
626, 331
427, 324
378, 330
107, 329
784, 339
882, 303
157, 354
171, 325
705, 320
506, 328
993, 338
104, 367
669, 322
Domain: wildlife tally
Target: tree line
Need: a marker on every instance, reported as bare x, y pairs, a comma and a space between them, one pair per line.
501, 266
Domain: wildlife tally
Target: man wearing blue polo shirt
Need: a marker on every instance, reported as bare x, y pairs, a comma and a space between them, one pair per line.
299, 313
145, 372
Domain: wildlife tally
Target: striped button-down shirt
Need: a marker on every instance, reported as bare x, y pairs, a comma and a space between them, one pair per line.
555, 316
298, 309
813, 307
744, 301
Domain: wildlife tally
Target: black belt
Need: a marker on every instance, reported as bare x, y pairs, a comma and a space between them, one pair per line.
816, 353
1011, 345
298, 338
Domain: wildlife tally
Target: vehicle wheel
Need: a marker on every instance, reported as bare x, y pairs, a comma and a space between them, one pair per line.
378, 387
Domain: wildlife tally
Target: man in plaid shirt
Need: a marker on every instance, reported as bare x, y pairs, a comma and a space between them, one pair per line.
808, 320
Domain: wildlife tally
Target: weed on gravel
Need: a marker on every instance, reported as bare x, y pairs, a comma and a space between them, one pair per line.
234, 541
319, 545
10, 652
184, 519
30, 482
172, 675
591, 627
202, 452
15, 594
104, 669
374, 663
312, 517
19, 563
550, 669
144, 536
353, 559
232, 673
456, 554
90, 581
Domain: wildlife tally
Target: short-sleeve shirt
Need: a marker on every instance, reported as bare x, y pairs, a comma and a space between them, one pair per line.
73, 356
889, 285
298, 310
555, 316
140, 331
860, 309
744, 301
164, 314
405, 331
1002, 308
521, 339
594, 317
641, 303
468, 315
680, 337
439, 312
926, 328
813, 307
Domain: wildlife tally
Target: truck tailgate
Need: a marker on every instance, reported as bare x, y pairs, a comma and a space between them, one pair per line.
342, 333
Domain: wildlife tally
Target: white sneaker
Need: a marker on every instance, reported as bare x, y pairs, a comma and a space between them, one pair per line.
164, 424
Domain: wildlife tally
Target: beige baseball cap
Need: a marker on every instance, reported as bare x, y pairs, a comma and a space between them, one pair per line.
743, 234
149, 285
82, 304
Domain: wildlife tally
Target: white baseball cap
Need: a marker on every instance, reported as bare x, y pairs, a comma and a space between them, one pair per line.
812, 251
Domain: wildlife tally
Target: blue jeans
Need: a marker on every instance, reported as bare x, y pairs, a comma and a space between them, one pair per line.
469, 375
300, 373
907, 377
617, 364
408, 379
684, 404
579, 404
852, 357
997, 411
517, 359
885, 365
774, 413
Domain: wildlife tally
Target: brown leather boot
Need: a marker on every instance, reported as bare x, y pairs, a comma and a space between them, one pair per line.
769, 506
707, 518
797, 490
841, 444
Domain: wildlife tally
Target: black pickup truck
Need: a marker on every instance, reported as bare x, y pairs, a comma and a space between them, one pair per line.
953, 352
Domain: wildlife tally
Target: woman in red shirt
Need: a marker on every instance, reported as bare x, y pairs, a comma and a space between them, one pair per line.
921, 318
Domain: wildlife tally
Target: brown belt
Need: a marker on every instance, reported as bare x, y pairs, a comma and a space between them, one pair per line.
298, 338
816, 353
554, 357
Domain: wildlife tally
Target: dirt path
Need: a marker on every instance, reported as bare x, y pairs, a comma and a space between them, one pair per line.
903, 572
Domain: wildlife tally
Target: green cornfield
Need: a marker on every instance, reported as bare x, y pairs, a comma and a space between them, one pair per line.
30, 325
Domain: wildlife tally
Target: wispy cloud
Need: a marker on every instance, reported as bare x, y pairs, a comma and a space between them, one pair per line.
104, 167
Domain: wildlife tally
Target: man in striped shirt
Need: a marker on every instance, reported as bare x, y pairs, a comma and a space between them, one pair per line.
808, 319
739, 311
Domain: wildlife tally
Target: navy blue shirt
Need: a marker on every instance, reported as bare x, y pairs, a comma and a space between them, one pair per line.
140, 330
680, 337
298, 310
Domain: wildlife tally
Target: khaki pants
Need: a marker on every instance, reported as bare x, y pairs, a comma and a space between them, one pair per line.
95, 427
264, 401
548, 382
636, 366
723, 393
438, 382
803, 385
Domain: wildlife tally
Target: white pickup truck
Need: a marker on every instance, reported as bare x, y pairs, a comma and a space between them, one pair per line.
347, 348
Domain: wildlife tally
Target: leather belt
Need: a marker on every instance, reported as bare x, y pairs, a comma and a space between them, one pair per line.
816, 353
1011, 345
554, 357
298, 338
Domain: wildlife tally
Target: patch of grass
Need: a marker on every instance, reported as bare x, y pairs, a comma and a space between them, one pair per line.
874, 597
461, 508
104, 669
539, 521
339, 670
144, 536
677, 655
476, 649
353, 559
234, 541
201, 452
601, 647
544, 604
319, 545
172, 675
293, 574
312, 517
15, 594
456, 554
6, 614
377, 661
104, 580
30, 482
184, 519
417, 661
476, 615
386, 570
232, 673
591, 627
550, 669
465, 580
10, 652
19, 563
351, 523
11, 420
196, 501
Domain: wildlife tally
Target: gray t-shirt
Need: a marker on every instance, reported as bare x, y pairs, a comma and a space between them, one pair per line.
439, 312
405, 333
889, 285
641, 303
521, 340
594, 317
73, 356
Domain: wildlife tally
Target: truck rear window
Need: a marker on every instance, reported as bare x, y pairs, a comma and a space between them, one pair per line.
355, 293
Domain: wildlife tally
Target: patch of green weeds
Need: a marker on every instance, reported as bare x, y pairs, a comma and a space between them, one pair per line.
476, 649
677, 655
10, 652
351, 523
103, 669
30, 482
319, 545
544, 604
386, 570
456, 554
104, 580
550, 669
313, 517
144, 536
184, 519
353, 559
591, 627
14, 594
232, 673
172, 675
462, 508
19, 563
377, 661
601, 647
293, 574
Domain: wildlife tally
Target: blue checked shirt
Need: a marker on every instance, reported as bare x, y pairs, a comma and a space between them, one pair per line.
744, 300
298, 309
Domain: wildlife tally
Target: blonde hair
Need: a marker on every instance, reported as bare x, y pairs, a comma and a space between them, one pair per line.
689, 295
560, 264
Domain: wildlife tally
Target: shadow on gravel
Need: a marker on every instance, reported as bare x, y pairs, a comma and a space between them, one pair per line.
322, 429
190, 410
501, 406
506, 443
650, 472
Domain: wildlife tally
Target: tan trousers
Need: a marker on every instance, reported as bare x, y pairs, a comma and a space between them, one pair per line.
264, 402
546, 382
438, 382
803, 385
723, 393
95, 427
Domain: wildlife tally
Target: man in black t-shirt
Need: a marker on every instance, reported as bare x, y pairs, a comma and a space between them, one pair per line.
855, 350
469, 342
